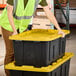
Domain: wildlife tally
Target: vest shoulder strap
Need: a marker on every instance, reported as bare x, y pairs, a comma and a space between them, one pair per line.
23, 17
14, 6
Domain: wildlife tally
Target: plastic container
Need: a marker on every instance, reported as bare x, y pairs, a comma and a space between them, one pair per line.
3, 5
38, 47
59, 68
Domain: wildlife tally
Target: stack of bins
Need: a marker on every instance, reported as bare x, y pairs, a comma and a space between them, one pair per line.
38, 48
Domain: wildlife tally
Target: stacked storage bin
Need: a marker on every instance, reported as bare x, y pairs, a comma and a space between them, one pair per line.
39, 48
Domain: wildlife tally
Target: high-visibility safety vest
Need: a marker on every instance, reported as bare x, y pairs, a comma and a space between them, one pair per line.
22, 16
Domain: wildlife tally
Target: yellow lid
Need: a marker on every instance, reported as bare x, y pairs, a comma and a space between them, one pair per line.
49, 68
38, 35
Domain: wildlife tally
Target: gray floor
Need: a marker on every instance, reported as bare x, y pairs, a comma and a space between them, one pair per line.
71, 47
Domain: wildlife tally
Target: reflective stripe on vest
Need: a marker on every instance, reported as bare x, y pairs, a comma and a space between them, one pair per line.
23, 17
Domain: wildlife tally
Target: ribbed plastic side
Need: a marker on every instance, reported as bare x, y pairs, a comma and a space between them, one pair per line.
37, 53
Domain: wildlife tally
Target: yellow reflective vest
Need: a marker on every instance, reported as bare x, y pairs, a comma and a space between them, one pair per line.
22, 16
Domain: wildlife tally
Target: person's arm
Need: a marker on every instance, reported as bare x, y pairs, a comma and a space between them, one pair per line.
10, 17
52, 19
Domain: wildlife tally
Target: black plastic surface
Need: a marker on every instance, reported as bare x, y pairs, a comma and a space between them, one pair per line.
65, 68
37, 53
62, 43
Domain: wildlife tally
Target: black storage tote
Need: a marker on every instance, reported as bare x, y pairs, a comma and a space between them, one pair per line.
59, 68
38, 47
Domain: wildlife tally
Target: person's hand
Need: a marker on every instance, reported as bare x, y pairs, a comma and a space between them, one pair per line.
15, 33
62, 33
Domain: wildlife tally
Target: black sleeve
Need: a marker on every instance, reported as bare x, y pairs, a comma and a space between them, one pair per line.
10, 2
43, 3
